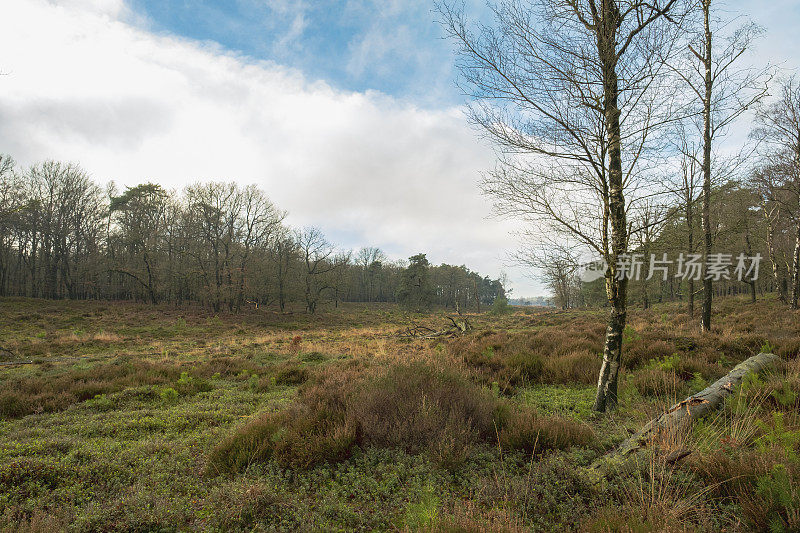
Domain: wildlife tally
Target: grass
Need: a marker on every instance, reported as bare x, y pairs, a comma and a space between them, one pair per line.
144, 418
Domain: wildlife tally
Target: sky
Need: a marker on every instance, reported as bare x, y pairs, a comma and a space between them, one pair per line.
344, 112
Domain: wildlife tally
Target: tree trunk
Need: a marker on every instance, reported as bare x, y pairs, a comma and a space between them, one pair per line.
796, 266
707, 288
690, 245
779, 286
606, 398
752, 281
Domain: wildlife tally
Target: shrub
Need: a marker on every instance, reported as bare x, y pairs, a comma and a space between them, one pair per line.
313, 430
313, 357
13, 405
641, 350
781, 499
415, 406
101, 402
524, 429
314, 436
291, 375
169, 394
188, 386
252, 442
656, 382
500, 306
528, 365
571, 368
762, 481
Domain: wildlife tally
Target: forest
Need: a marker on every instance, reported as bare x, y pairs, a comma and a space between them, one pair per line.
217, 244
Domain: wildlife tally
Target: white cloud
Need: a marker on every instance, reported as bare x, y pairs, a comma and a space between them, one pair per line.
87, 83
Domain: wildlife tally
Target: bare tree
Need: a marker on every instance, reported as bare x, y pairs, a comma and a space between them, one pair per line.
647, 221
767, 183
558, 264
688, 187
259, 224
9, 206
778, 129
568, 91
319, 259
722, 93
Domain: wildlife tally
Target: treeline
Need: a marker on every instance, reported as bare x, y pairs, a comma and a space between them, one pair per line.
217, 244
753, 218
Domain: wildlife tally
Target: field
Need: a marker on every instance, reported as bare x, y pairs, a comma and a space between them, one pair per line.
140, 418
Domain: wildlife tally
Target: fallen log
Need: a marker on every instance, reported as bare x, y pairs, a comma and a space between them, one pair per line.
459, 326
683, 413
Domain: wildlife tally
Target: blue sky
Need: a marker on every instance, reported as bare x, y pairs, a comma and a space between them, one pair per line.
394, 47
391, 46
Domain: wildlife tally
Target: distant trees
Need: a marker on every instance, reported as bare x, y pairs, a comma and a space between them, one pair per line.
140, 220
369, 261
56, 231
218, 244
778, 128
9, 211
320, 266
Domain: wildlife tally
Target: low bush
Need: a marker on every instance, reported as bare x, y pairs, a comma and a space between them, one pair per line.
528, 365
550, 355
313, 436
526, 430
414, 406
188, 386
291, 374
13, 405
570, 368
655, 382
250, 443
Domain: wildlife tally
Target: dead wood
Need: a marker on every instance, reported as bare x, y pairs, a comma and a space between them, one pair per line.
458, 326
683, 413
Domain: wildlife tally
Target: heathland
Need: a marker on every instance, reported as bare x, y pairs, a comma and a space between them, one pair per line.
125, 416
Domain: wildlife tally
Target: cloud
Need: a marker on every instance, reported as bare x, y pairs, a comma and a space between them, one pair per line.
87, 82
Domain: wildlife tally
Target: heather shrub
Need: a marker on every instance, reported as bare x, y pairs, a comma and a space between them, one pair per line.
290, 374
525, 429
250, 443
528, 365
417, 407
656, 382
570, 368
313, 436
13, 405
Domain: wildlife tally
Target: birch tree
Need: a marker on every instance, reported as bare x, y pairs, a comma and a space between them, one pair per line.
720, 92
569, 93
778, 127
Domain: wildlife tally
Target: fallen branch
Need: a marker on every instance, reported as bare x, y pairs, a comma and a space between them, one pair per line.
679, 415
416, 331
